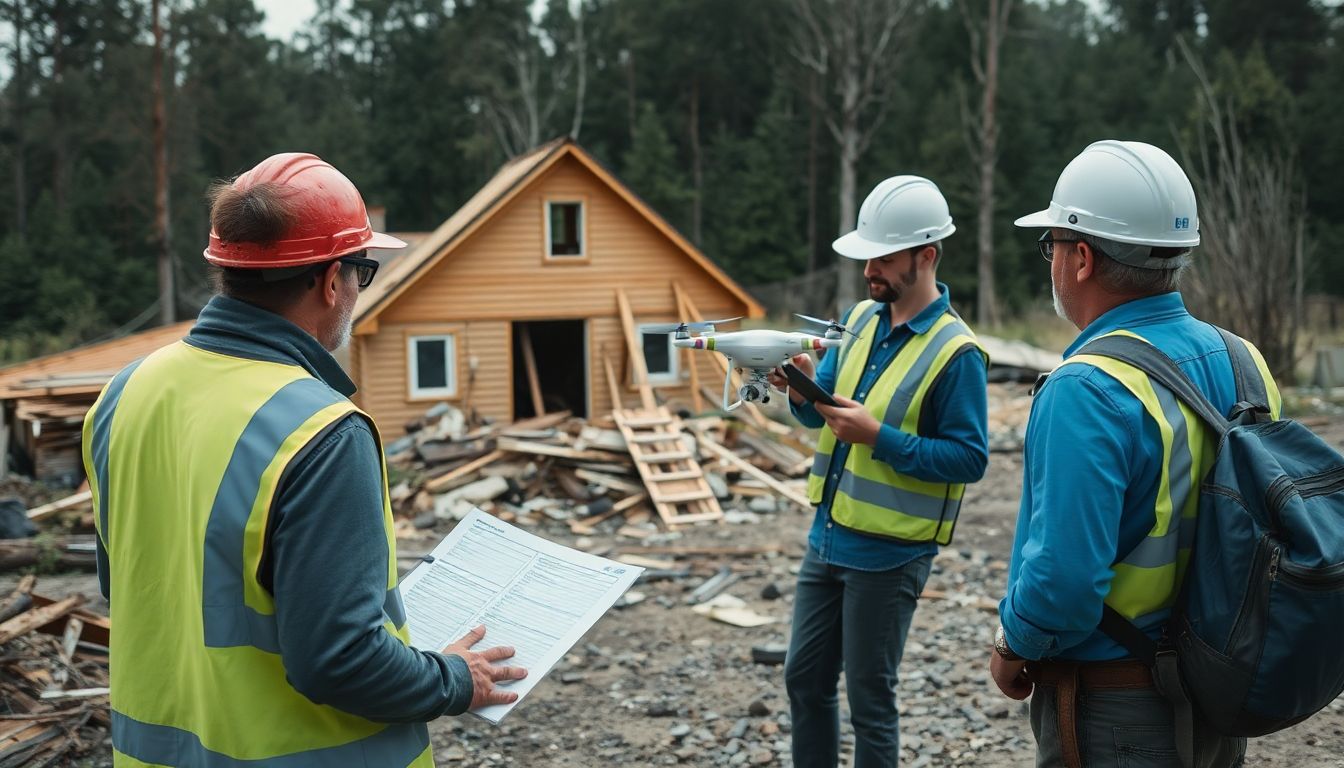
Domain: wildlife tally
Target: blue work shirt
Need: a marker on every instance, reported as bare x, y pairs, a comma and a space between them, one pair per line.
325, 562
1091, 470
952, 447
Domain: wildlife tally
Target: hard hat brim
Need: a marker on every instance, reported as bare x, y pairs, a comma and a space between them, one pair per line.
1037, 220
854, 246
381, 240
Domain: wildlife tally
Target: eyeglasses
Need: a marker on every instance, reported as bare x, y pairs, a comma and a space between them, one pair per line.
1047, 245
365, 269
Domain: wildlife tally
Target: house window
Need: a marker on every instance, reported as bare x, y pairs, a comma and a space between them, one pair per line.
564, 222
433, 364
660, 357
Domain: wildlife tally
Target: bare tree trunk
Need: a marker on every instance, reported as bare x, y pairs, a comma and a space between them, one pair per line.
847, 276
987, 306
60, 177
581, 52
167, 292
813, 96
20, 90
697, 169
632, 112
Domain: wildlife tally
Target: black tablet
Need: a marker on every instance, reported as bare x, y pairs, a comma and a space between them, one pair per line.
805, 386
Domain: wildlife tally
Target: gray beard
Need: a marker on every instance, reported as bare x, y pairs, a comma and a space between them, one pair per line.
1059, 308
344, 327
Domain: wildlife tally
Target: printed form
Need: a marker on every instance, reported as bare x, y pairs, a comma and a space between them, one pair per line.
530, 593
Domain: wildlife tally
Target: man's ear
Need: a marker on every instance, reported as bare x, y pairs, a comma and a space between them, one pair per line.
331, 283
925, 256
1087, 261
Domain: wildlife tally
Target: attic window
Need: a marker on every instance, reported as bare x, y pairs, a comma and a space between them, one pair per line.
564, 223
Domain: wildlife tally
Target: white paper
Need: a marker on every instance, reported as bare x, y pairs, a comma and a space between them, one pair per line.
530, 593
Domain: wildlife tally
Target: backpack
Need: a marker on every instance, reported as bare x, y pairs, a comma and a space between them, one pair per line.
1254, 639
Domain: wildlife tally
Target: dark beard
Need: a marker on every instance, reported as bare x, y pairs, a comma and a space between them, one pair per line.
886, 293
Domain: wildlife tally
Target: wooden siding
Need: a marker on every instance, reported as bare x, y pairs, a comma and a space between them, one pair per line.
501, 274
384, 384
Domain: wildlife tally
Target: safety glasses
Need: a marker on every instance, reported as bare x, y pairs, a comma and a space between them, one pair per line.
365, 269
1047, 245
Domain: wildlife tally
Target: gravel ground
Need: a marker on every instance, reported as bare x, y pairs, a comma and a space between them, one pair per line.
655, 684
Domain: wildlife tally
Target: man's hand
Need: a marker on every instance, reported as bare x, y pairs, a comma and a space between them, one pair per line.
779, 381
484, 674
1010, 676
850, 422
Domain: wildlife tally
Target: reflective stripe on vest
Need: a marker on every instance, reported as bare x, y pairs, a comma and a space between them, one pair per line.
870, 496
1147, 579
199, 508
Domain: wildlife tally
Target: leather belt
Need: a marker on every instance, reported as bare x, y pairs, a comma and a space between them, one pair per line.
1066, 677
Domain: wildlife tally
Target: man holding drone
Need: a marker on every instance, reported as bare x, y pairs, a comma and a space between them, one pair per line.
892, 462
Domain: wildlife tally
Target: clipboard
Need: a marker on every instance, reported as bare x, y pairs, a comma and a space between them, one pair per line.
805, 386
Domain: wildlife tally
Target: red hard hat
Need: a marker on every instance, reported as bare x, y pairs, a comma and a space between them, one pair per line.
330, 218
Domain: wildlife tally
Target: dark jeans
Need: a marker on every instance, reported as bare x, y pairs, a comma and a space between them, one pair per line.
859, 618
1124, 729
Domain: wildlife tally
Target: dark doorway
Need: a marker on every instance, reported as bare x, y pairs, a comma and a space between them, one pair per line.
560, 348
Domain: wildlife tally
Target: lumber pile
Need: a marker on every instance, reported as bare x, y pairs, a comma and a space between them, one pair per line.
630, 472
53, 678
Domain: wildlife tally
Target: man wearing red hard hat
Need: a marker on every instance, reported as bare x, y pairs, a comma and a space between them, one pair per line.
245, 533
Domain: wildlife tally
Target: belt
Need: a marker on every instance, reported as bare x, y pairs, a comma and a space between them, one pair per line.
1068, 676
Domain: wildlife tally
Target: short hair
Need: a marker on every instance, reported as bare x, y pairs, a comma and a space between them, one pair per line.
262, 214
1120, 278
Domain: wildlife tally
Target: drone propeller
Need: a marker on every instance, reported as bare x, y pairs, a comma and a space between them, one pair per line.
698, 325
832, 326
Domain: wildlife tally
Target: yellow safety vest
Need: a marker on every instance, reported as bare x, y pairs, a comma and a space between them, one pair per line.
185, 453
870, 496
1147, 579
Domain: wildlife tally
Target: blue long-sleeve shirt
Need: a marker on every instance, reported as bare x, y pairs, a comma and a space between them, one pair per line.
326, 560
952, 445
1092, 466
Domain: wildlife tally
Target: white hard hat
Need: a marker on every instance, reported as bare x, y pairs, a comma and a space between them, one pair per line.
1128, 192
901, 212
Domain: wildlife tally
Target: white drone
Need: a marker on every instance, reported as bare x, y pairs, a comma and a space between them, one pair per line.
756, 351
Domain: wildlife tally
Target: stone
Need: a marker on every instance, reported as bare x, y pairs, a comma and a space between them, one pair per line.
758, 708
771, 591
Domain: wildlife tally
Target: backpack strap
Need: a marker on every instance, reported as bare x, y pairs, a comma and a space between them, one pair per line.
1252, 398
1160, 368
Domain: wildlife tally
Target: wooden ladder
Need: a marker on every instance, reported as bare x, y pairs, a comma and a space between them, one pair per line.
675, 482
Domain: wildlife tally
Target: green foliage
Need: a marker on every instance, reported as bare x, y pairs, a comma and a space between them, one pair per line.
701, 106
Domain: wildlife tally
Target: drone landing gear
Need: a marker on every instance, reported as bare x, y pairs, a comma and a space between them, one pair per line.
755, 389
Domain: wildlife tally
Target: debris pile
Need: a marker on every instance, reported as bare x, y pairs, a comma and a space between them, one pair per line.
53, 678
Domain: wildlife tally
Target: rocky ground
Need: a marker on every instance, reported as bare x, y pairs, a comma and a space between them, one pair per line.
655, 684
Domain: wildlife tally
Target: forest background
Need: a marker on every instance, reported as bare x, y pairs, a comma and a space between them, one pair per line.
754, 126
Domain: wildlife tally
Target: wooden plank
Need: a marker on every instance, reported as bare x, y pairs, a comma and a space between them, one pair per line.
666, 457
585, 526
611, 381
680, 474
69, 502
20, 599
706, 551
648, 421
30, 620
530, 364
611, 482
444, 481
753, 471
657, 437
514, 445
691, 355
632, 341
544, 421
677, 498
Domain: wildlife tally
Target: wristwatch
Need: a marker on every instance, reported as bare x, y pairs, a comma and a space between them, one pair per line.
1001, 646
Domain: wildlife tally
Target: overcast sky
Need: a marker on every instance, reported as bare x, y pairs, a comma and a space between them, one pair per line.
284, 17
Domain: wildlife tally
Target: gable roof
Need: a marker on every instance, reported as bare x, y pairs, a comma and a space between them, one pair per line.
86, 369
510, 180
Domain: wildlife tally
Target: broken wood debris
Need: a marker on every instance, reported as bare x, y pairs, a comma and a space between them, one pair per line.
53, 680
608, 475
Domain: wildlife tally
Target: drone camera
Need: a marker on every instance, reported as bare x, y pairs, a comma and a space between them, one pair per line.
754, 391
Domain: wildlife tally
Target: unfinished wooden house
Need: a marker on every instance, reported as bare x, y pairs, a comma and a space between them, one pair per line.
529, 298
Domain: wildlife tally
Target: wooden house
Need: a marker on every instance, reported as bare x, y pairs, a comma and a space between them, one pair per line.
530, 297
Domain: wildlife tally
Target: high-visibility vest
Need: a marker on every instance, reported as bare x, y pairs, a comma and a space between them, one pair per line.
870, 496
186, 452
1148, 578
